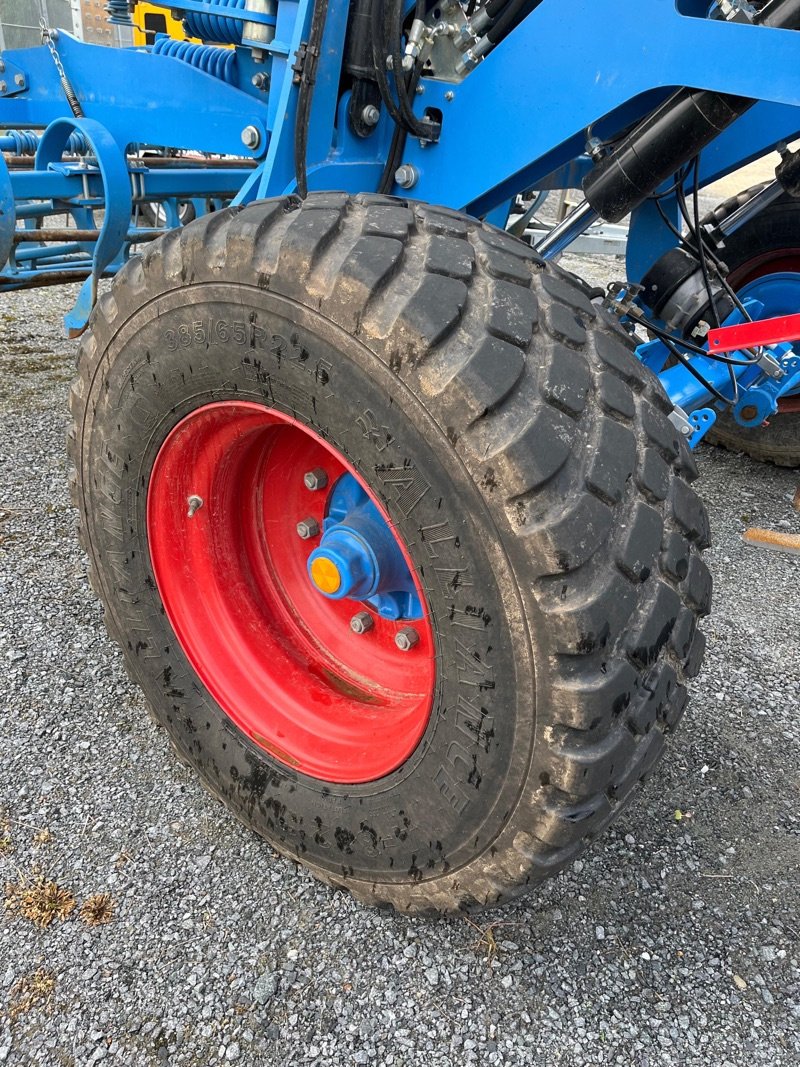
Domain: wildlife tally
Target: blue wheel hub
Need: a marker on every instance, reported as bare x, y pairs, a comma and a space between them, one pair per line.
358, 546
779, 293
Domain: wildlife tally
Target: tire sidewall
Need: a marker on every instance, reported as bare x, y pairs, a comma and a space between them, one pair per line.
452, 798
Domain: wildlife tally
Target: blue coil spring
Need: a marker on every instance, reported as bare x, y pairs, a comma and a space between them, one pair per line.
119, 13
219, 62
215, 27
25, 143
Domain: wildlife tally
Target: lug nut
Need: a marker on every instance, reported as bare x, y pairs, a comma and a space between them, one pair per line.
362, 622
307, 529
316, 479
195, 503
406, 638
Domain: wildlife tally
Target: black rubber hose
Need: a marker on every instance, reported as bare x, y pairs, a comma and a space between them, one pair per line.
513, 14
394, 40
308, 79
398, 143
674, 133
379, 53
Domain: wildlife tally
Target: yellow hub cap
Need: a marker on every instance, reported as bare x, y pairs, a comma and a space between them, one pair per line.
325, 575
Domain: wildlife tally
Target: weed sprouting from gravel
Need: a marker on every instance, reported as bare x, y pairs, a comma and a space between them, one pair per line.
97, 909
42, 837
31, 991
39, 900
6, 843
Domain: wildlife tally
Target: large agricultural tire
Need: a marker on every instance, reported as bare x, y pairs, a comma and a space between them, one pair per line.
768, 245
528, 468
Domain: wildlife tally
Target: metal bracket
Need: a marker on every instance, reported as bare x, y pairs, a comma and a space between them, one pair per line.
737, 10
694, 427
769, 364
702, 419
680, 420
13, 79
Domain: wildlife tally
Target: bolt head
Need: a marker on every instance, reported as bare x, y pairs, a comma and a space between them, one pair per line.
406, 638
316, 479
251, 138
449, 95
370, 115
3, 87
19, 79
362, 622
406, 176
308, 528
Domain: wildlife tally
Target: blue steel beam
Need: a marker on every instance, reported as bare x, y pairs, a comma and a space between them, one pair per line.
138, 97
521, 114
65, 182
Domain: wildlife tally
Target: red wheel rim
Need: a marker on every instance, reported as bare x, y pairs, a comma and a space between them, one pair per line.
776, 262
278, 657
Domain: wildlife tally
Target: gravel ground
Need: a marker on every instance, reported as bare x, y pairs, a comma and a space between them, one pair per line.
674, 942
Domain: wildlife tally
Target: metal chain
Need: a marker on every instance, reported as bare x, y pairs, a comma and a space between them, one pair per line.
47, 39
69, 92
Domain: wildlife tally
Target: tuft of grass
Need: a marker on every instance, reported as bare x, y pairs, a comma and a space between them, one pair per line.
6, 844
39, 900
31, 991
97, 909
42, 837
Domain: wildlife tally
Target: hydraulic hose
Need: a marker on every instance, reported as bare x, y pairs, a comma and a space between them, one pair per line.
674, 133
513, 13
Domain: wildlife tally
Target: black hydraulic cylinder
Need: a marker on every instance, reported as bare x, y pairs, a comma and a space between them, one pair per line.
671, 136
365, 97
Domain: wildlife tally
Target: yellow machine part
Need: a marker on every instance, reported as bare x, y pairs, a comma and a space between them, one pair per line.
148, 20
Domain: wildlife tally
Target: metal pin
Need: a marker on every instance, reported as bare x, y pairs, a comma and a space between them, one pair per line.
195, 503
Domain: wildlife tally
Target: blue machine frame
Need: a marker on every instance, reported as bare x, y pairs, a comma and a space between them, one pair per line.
166, 125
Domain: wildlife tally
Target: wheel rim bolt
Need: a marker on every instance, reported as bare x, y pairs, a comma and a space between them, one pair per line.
194, 502
362, 622
406, 638
316, 479
307, 529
